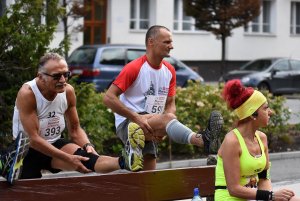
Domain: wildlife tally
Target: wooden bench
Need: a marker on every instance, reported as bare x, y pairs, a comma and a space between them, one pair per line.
169, 184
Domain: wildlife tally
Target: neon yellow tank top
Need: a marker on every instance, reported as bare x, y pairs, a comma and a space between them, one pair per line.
250, 166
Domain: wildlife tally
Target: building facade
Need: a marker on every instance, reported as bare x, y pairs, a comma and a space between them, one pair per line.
276, 32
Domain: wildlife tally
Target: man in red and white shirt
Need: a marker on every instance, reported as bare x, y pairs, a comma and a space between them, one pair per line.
143, 99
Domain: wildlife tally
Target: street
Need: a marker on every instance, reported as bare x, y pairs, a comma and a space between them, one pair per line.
293, 103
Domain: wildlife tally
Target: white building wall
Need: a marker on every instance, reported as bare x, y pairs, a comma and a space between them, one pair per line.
243, 46
203, 46
119, 27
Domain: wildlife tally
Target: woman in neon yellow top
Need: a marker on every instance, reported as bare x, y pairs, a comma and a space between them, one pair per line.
242, 171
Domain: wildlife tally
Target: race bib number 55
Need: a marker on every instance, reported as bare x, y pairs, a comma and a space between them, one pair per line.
155, 104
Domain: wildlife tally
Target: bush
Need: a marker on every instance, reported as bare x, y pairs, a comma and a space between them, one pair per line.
194, 104
95, 118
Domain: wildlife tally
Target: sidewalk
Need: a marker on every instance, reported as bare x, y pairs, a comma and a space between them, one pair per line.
285, 171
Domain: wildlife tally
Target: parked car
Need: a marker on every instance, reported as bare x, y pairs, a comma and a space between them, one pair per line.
277, 75
101, 64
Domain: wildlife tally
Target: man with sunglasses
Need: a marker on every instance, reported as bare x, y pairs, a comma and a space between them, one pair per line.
43, 105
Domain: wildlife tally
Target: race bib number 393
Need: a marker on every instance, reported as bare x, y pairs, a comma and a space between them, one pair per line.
155, 104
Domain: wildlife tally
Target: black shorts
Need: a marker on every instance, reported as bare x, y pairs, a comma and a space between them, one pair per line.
35, 161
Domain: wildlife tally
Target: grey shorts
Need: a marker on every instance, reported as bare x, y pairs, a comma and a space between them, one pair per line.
122, 133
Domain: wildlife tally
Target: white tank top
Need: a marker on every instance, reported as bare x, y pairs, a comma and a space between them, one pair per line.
50, 115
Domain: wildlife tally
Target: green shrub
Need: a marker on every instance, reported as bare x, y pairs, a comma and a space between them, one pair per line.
95, 118
194, 104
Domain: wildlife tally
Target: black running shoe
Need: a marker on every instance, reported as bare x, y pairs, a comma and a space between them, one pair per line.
211, 135
12, 161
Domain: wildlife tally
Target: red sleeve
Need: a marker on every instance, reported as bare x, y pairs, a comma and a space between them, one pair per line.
129, 73
172, 89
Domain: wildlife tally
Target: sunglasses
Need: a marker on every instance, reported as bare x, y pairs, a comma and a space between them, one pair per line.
57, 76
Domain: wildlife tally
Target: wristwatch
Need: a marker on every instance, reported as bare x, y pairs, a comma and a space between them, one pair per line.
88, 144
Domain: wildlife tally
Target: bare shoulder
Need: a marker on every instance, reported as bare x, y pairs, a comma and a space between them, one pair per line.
70, 94
230, 145
262, 136
25, 98
230, 138
25, 93
69, 89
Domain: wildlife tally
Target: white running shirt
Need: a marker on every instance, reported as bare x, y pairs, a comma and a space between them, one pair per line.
50, 115
145, 87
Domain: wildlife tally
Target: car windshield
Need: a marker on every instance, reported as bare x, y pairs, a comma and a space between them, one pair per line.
83, 56
257, 65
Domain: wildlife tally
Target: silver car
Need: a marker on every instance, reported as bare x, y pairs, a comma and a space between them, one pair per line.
277, 75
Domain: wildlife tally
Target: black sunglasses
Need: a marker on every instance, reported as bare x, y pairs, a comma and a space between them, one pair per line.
57, 76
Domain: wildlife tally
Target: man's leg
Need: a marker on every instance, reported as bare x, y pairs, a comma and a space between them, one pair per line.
99, 164
133, 139
167, 124
11, 162
149, 162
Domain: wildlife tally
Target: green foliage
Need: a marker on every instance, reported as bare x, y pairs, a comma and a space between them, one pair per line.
23, 40
194, 104
95, 118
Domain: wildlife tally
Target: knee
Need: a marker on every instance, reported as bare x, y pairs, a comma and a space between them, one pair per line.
90, 164
169, 117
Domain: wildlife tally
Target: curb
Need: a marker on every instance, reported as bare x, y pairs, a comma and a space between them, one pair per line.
203, 161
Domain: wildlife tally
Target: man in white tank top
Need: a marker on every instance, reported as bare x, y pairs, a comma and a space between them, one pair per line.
43, 105
145, 112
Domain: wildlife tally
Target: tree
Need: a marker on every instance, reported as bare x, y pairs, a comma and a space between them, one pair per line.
221, 16
24, 38
72, 11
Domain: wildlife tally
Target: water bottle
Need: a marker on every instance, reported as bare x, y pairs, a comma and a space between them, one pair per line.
197, 196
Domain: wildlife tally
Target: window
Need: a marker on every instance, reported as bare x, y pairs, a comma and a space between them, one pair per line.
83, 56
262, 23
95, 22
134, 54
113, 56
295, 65
282, 66
295, 18
139, 14
182, 22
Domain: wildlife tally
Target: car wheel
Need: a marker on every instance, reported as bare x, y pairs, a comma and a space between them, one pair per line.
264, 86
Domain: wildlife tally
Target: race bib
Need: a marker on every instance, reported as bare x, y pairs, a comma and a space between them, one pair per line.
51, 128
155, 104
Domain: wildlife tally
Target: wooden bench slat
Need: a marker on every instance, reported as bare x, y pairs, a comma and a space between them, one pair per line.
154, 185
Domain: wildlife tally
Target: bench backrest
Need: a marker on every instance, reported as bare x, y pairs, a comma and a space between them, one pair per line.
170, 184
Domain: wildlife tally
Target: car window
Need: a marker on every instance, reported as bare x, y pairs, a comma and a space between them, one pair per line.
134, 54
83, 56
113, 56
295, 65
282, 66
257, 65
173, 62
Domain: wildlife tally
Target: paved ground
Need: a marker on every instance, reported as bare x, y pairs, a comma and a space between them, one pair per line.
285, 171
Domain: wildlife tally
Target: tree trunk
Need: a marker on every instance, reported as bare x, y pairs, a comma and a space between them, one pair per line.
223, 59
65, 23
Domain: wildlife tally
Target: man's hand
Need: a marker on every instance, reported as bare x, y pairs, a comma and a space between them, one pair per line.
142, 121
76, 163
91, 149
